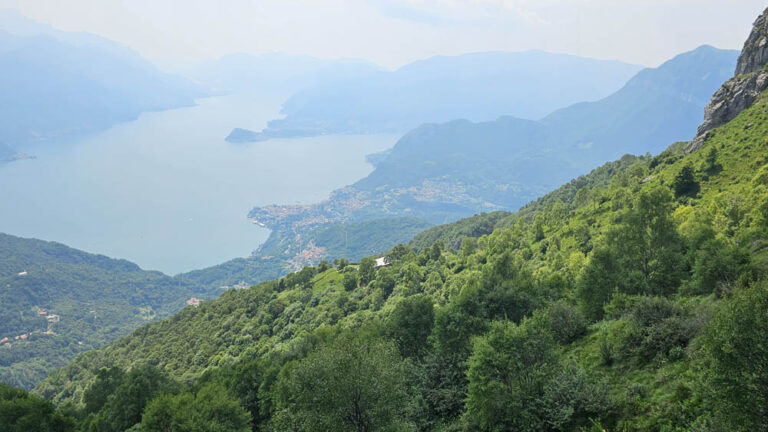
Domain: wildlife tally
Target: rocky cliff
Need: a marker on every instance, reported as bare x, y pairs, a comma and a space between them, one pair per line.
738, 93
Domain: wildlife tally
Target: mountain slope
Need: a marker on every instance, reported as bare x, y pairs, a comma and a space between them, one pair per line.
91, 300
56, 83
632, 298
477, 86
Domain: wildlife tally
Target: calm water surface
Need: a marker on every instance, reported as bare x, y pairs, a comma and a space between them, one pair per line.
166, 191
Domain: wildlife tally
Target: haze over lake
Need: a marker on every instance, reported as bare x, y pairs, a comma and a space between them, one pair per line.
166, 191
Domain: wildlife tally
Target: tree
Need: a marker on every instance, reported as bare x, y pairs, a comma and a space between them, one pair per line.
124, 406
340, 263
710, 161
367, 270
410, 324
351, 385
210, 409
508, 372
598, 281
737, 357
398, 252
385, 280
566, 322
22, 412
349, 280
685, 183
643, 255
106, 382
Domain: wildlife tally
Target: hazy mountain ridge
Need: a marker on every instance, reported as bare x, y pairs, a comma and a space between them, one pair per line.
57, 83
476, 86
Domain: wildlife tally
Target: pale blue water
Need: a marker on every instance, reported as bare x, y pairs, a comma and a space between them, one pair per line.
166, 191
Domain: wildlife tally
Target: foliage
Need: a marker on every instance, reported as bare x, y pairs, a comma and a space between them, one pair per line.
352, 385
22, 412
735, 343
210, 409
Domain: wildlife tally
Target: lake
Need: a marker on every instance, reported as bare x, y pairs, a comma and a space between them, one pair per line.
166, 191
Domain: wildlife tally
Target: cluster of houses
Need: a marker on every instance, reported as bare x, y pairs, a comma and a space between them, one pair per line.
194, 301
51, 318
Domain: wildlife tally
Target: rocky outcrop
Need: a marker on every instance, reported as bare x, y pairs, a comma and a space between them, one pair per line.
754, 55
738, 93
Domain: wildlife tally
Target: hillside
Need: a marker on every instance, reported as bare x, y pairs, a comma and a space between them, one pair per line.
476, 86
58, 302
631, 299
57, 83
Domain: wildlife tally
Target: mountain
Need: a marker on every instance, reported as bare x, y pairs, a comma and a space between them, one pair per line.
58, 302
631, 298
56, 83
476, 86
505, 163
739, 92
656, 107
438, 173
276, 72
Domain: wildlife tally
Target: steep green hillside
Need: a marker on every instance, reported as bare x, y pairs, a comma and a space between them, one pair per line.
91, 300
601, 306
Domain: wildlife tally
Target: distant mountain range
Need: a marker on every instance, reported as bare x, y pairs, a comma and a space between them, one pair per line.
58, 301
477, 86
58, 83
438, 173
506, 163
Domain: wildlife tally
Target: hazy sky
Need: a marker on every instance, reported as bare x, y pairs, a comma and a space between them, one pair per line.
394, 32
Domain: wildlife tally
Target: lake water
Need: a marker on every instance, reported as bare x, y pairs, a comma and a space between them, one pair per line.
166, 191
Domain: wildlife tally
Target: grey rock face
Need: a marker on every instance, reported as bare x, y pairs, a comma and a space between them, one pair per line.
754, 55
738, 93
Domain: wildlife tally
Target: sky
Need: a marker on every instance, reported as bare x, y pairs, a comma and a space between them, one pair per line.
394, 32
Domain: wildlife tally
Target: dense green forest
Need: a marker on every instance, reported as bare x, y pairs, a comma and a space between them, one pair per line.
58, 302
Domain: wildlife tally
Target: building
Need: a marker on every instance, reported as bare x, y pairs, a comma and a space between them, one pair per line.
382, 262
53, 318
194, 301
